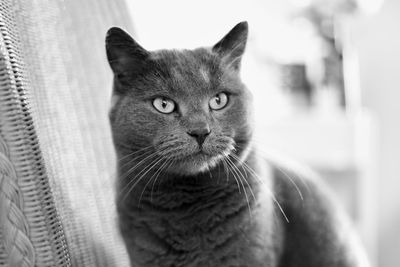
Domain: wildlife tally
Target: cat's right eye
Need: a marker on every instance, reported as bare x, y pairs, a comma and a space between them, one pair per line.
219, 101
164, 105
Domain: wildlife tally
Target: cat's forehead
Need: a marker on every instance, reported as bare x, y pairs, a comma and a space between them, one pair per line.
186, 60
191, 71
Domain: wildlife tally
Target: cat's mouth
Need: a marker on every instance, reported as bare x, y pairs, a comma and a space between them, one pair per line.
199, 157
201, 153
198, 162
190, 158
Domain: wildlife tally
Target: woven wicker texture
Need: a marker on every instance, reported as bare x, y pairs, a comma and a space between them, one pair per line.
56, 154
28, 219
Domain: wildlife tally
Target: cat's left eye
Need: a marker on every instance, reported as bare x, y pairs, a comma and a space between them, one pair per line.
219, 101
164, 105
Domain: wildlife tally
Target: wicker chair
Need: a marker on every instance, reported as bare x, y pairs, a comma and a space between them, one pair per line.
56, 156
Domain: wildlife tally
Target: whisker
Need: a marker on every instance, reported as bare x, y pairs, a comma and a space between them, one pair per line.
209, 172
238, 171
291, 181
271, 159
244, 189
143, 150
155, 153
228, 172
165, 166
149, 180
246, 166
135, 180
244, 178
256, 176
219, 172
145, 154
172, 161
156, 174
134, 153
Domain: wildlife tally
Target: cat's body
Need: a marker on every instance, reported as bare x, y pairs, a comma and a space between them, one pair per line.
192, 190
201, 222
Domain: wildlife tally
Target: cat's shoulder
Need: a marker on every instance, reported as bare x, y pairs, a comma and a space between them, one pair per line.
304, 195
298, 185
313, 217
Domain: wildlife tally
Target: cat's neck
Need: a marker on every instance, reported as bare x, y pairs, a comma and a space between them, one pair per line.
168, 190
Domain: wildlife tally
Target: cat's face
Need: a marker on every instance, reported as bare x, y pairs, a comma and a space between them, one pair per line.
189, 108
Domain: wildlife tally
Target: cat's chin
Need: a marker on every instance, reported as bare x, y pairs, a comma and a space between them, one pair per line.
195, 164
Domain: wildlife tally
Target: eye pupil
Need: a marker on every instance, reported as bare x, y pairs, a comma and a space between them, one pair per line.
164, 105
218, 99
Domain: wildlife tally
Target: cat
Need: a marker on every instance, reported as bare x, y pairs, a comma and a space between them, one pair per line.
192, 188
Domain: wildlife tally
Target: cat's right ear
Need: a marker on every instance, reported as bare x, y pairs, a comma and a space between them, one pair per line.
124, 54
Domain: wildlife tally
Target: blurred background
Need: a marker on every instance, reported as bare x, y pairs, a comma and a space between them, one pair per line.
325, 75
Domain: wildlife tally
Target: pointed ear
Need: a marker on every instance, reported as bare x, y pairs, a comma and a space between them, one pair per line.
232, 46
124, 53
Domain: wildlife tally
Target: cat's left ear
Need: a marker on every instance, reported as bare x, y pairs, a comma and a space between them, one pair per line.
233, 45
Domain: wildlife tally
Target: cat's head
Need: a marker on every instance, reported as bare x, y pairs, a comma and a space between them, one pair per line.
186, 109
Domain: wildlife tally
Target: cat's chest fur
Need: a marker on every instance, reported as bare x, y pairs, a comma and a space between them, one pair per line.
200, 224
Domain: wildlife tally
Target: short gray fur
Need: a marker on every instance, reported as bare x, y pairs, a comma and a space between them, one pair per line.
217, 202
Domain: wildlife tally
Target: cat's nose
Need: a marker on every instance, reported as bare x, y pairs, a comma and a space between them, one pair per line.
200, 133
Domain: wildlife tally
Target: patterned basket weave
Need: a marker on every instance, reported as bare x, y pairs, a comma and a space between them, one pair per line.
56, 157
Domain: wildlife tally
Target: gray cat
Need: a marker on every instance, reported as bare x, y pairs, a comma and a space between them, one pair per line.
192, 189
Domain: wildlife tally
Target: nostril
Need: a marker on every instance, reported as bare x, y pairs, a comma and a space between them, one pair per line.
200, 131
199, 134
